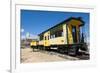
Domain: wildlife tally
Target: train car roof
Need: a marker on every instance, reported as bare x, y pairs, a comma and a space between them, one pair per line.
67, 20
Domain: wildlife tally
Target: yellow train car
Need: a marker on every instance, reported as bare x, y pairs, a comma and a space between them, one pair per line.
65, 36
34, 44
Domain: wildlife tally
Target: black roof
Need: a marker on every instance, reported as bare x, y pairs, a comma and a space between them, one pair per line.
67, 20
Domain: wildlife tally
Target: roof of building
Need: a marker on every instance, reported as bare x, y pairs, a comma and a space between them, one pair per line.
67, 20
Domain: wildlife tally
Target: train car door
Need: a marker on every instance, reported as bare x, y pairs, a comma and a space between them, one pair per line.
46, 39
73, 30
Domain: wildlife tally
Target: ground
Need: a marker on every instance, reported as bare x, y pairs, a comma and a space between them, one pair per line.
30, 56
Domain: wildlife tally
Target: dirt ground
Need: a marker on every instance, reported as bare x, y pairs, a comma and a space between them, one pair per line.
30, 56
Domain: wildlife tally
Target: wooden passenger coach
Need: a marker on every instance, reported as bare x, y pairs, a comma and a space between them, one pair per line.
65, 36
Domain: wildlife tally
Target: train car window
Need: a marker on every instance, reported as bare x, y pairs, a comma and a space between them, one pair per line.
45, 37
54, 36
48, 37
74, 34
41, 37
62, 33
59, 33
51, 37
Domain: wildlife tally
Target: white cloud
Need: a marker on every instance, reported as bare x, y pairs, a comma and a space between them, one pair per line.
22, 30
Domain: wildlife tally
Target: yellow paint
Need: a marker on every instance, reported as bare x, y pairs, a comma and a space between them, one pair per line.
46, 41
70, 37
62, 39
33, 43
75, 23
57, 41
65, 33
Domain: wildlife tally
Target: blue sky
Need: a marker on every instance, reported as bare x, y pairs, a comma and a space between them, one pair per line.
34, 22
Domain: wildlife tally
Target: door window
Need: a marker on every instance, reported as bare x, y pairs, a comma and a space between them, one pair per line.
74, 34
